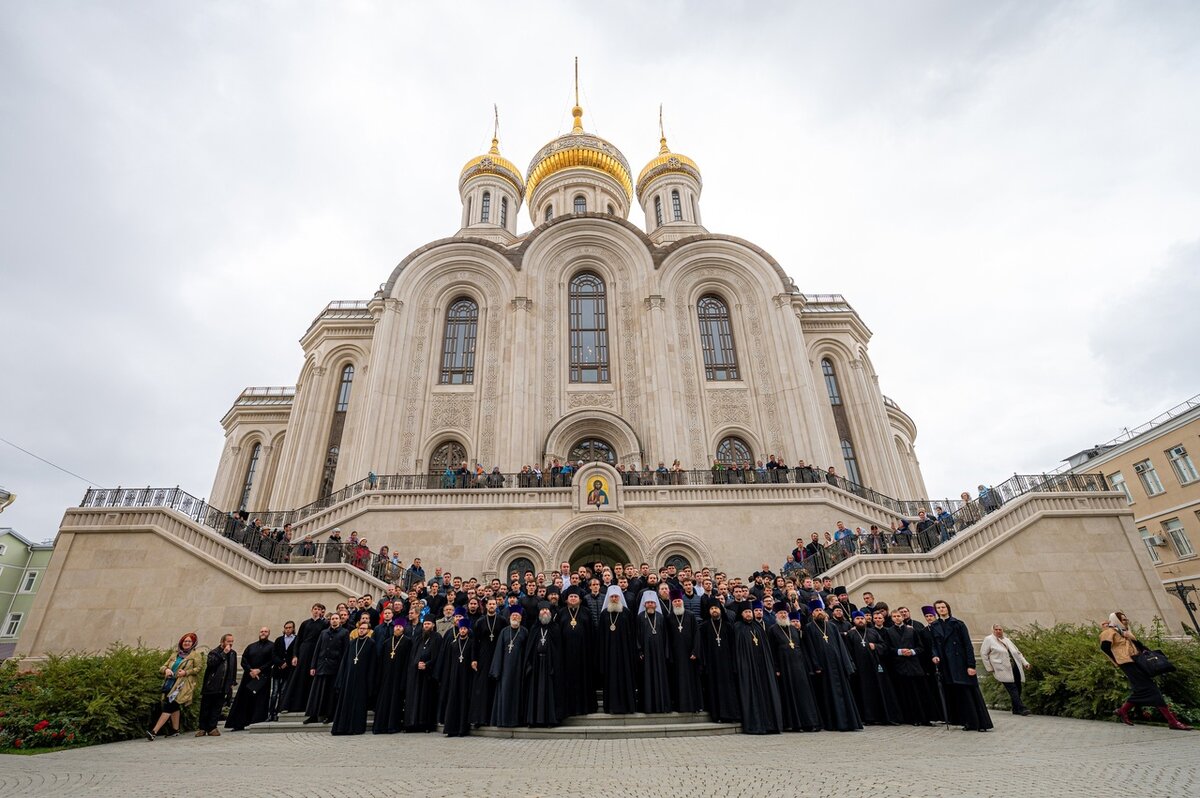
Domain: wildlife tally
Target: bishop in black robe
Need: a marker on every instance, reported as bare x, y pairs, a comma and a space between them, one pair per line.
326, 661
793, 672
508, 671
872, 686
758, 693
576, 630
832, 669
457, 681
296, 698
655, 687
718, 672
420, 688
683, 637
392, 668
543, 680
483, 689
616, 654
356, 680
252, 701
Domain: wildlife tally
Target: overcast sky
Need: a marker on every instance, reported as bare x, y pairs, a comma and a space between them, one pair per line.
1006, 192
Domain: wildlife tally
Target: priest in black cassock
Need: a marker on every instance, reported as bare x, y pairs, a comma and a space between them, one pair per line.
457, 681
483, 690
543, 671
792, 673
758, 693
296, 698
683, 636
906, 650
616, 632
871, 655
576, 631
508, 671
392, 657
718, 672
326, 660
356, 680
251, 704
832, 670
420, 689
651, 637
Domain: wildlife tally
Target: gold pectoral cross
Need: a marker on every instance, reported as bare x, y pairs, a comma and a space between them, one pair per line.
572, 623
754, 637
393, 653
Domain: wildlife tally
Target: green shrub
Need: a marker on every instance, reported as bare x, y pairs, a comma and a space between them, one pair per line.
82, 699
1072, 678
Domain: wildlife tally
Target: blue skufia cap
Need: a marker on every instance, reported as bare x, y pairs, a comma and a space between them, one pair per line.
858, 614
816, 604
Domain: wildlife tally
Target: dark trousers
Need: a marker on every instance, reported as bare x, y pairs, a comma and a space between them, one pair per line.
278, 688
210, 711
1014, 692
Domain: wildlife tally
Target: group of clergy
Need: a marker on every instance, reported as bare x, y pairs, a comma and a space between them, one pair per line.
799, 668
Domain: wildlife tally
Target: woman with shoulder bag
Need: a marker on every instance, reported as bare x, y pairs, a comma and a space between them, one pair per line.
1120, 646
179, 684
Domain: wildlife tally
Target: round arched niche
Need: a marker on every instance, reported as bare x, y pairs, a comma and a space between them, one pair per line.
592, 423
514, 547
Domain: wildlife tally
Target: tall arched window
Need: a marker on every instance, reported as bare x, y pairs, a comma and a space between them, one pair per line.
716, 339
676, 206
733, 450
450, 454
504, 211
592, 450
549, 212
458, 344
343, 399
248, 484
331, 460
580, 204
341, 406
485, 207
658, 212
841, 421
469, 209
589, 328
831, 382
520, 565
679, 561
851, 462
611, 210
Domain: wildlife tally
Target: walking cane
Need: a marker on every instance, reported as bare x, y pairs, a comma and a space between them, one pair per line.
942, 695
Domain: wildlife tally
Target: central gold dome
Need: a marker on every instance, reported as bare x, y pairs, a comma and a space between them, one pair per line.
578, 150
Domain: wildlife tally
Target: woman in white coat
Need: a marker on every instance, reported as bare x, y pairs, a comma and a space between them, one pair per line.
1007, 664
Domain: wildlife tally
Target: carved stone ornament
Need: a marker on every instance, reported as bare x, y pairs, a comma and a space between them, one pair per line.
576, 400
728, 407
452, 411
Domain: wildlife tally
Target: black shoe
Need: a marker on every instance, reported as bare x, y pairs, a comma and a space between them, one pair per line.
151, 736
307, 721
1025, 713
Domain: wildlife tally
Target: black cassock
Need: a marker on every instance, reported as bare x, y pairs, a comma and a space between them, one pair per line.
253, 697
420, 688
827, 653
718, 671
655, 686
907, 673
483, 689
355, 683
616, 661
296, 697
796, 697
543, 670
758, 694
508, 671
326, 661
457, 681
871, 684
576, 629
391, 680
683, 637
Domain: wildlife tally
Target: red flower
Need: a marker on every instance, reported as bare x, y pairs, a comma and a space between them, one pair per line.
18, 743
70, 737
41, 724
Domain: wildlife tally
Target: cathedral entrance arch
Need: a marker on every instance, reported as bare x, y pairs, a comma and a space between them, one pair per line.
599, 550
613, 539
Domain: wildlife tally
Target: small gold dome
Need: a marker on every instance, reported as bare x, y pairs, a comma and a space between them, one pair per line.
493, 163
667, 162
578, 150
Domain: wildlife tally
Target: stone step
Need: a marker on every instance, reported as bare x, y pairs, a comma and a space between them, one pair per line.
611, 732
637, 719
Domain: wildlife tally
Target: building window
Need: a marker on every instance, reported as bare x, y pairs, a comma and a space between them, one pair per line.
1117, 480
589, 328
851, 462
521, 565
611, 210
733, 450
580, 204
3, 549
1149, 477
12, 624
29, 582
1181, 461
343, 400
504, 211
485, 207
679, 561
657, 212
549, 213
716, 339
249, 481
469, 210
458, 344
831, 382
1178, 536
328, 473
1151, 549
450, 454
676, 206
592, 450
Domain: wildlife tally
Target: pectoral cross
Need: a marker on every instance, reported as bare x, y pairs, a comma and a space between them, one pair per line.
510, 645
572, 623
460, 657
754, 637
356, 660
393, 655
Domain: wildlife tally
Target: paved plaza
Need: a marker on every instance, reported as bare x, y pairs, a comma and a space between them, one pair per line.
1022, 758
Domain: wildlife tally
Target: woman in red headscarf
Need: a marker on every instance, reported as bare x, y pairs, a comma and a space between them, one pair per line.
179, 684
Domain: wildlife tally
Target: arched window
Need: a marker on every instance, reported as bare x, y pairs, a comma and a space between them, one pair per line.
343, 399
841, 421
504, 211
679, 561
695, 213
733, 450
450, 453
549, 212
458, 344
657, 212
611, 210
716, 339
591, 450
249, 482
469, 208
520, 565
831, 382
589, 328
851, 462
331, 460
485, 207
580, 204
676, 206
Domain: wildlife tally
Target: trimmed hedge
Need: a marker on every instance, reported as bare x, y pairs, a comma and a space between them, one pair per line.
1072, 678
82, 699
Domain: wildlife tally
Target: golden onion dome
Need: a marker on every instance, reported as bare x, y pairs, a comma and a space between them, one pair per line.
493, 163
667, 162
578, 150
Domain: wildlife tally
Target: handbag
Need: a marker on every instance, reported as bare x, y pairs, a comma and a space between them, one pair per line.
1153, 662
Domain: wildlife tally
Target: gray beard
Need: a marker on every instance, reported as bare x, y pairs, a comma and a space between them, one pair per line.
678, 611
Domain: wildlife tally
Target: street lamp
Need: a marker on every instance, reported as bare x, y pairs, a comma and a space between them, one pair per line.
1182, 592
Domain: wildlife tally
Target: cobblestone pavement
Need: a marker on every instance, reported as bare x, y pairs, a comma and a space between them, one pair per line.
1022, 758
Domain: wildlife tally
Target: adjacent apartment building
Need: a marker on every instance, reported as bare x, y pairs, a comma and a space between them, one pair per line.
1154, 465
22, 566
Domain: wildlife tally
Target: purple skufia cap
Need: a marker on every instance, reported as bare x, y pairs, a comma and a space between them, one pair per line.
399, 621
516, 611
676, 593
928, 610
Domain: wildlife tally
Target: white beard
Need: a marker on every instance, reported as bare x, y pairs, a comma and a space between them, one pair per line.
678, 611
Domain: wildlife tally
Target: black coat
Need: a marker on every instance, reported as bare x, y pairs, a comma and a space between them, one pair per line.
952, 645
421, 689
578, 695
793, 672
391, 681
758, 692
683, 635
718, 670
616, 661
543, 676
508, 671
483, 690
355, 684
250, 705
296, 697
456, 677
220, 673
653, 654
832, 668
